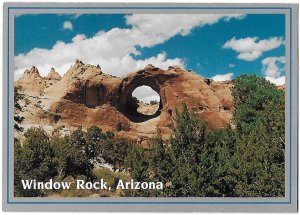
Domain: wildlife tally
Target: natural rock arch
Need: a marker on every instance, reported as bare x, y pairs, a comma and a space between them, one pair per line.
126, 103
85, 96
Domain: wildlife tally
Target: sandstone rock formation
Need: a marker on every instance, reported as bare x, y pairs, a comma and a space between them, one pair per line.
53, 75
86, 96
31, 81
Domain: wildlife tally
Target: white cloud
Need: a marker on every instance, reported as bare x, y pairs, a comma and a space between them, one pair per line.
225, 77
157, 28
67, 25
273, 68
250, 48
277, 81
115, 49
78, 38
145, 94
231, 65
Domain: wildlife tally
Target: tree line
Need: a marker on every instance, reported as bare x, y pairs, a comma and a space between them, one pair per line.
242, 160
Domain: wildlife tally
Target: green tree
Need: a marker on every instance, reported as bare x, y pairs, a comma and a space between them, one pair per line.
137, 163
251, 96
219, 164
186, 142
203, 160
259, 117
35, 159
77, 155
105, 148
94, 136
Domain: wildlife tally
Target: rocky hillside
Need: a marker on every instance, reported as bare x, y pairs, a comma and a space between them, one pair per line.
86, 96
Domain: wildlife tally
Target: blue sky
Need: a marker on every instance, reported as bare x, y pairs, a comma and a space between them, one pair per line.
218, 46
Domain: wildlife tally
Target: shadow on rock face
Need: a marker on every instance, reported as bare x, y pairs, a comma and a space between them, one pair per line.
134, 115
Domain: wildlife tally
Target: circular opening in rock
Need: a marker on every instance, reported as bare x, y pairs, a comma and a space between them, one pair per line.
147, 100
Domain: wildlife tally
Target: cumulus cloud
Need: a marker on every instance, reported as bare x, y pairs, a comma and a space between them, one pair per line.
225, 77
250, 48
116, 49
145, 94
231, 65
67, 25
273, 68
160, 27
277, 81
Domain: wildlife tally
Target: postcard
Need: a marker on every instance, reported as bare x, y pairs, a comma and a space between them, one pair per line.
150, 107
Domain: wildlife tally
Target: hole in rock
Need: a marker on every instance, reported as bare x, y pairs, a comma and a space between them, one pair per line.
147, 100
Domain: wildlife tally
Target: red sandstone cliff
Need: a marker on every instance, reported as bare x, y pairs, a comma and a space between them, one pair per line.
86, 96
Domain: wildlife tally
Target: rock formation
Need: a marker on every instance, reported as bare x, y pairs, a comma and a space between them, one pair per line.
31, 81
86, 96
53, 75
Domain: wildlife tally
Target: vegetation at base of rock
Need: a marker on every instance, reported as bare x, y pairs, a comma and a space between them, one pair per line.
43, 157
153, 102
260, 119
246, 160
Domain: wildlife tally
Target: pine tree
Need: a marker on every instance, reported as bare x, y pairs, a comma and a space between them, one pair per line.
259, 117
35, 159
